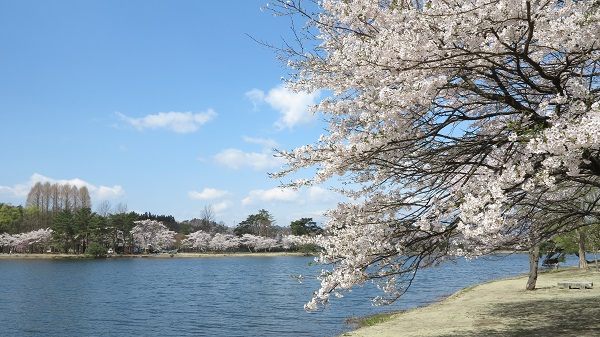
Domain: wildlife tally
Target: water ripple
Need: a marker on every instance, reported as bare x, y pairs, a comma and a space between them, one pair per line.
199, 297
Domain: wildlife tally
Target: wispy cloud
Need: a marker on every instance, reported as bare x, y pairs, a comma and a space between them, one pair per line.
320, 194
96, 192
256, 96
275, 194
266, 143
294, 107
180, 122
207, 194
16, 191
237, 159
259, 161
105, 192
221, 206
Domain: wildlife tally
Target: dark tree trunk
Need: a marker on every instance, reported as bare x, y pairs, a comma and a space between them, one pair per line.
581, 246
534, 258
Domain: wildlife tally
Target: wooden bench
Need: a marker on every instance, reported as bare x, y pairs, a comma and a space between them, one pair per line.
576, 285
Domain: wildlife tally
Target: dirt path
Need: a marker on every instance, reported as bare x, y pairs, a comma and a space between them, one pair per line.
504, 308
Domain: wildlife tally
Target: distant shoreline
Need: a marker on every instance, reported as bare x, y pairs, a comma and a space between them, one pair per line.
49, 256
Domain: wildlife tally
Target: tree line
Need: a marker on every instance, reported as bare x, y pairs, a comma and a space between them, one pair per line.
49, 199
59, 218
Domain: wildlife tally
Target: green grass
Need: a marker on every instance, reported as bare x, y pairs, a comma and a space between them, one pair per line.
366, 321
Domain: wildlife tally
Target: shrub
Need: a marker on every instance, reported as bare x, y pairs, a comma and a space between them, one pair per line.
96, 250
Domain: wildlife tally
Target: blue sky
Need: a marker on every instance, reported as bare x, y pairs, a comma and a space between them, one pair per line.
166, 106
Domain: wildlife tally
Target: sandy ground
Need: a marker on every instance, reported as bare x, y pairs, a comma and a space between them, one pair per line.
504, 308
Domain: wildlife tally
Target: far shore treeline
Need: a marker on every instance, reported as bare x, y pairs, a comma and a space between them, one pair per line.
59, 218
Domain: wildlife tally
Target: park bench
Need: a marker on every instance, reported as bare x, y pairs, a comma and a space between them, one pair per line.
576, 285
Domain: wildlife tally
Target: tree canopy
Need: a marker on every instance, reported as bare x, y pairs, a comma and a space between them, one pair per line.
461, 128
260, 223
305, 226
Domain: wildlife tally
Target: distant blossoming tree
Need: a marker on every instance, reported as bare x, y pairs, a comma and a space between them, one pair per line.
152, 233
222, 242
464, 126
265, 244
27, 242
199, 240
289, 241
256, 242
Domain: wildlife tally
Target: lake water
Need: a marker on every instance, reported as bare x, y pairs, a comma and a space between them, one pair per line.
202, 296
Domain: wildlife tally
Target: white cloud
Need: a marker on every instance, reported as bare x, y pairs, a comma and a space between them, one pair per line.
293, 106
257, 96
96, 192
18, 191
266, 143
319, 194
207, 194
275, 194
313, 195
180, 122
236, 159
105, 192
223, 205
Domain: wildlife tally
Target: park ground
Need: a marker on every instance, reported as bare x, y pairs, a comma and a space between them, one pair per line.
504, 308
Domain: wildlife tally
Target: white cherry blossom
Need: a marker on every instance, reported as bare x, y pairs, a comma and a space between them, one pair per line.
461, 128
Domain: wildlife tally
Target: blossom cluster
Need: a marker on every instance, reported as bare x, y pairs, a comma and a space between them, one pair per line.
152, 233
22, 241
461, 127
204, 241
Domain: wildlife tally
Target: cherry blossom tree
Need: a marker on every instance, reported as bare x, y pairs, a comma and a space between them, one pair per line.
257, 242
265, 244
289, 241
152, 233
29, 242
5, 240
250, 241
199, 240
222, 242
461, 128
